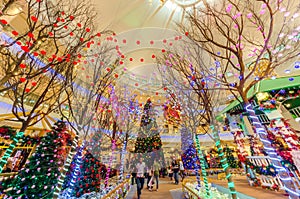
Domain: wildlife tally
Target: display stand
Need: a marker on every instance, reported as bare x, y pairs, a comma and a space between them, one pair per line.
269, 181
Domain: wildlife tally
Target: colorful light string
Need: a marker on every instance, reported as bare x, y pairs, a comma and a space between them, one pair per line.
66, 166
110, 163
276, 160
9, 150
76, 172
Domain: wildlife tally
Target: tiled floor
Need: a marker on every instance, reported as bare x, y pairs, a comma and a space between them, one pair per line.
242, 186
168, 190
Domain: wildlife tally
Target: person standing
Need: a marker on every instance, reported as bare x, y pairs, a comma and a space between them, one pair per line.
140, 178
156, 169
181, 168
175, 168
148, 175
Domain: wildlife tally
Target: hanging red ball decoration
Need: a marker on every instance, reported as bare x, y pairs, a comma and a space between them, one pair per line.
43, 52
22, 66
22, 79
33, 18
15, 33
3, 21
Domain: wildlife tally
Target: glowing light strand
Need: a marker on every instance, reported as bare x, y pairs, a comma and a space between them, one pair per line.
9, 150
67, 164
122, 161
76, 172
276, 160
202, 162
110, 163
223, 160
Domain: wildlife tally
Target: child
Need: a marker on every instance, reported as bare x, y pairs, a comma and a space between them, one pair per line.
170, 171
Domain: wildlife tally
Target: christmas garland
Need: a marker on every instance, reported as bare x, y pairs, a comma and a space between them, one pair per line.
269, 170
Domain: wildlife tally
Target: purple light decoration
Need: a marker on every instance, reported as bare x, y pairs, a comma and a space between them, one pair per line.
109, 164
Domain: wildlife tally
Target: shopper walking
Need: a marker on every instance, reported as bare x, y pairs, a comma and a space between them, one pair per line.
182, 172
140, 178
156, 169
175, 168
149, 175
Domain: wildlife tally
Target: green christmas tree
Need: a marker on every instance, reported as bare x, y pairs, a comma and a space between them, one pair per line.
149, 142
39, 177
89, 178
230, 158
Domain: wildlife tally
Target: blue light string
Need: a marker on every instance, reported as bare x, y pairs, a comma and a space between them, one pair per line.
270, 151
76, 172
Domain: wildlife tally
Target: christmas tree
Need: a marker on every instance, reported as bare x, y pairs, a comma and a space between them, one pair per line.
39, 177
149, 142
230, 158
189, 155
89, 177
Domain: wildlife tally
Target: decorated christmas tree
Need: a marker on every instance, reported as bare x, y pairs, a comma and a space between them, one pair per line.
149, 142
39, 177
89, 177
189, 155
230, 158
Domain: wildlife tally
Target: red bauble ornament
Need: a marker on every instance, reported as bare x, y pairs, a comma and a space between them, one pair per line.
22, 66
43, 52
22, 79
15, 33
3, 21
33, 18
